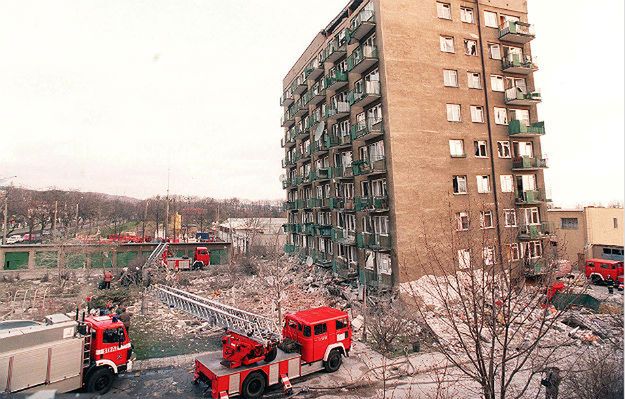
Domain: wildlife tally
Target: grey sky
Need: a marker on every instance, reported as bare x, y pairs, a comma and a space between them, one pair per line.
105, 95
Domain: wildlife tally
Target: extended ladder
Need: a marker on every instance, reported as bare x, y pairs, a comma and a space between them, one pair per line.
155, 259
260, 328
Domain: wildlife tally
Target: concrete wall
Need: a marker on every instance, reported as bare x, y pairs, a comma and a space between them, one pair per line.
601, 228
571, 242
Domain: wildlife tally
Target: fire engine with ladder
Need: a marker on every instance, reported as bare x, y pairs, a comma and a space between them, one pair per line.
256, 354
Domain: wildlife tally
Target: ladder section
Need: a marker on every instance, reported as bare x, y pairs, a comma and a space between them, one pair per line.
155, 258
260, 328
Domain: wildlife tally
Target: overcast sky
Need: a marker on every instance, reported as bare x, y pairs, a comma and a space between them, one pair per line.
107, 95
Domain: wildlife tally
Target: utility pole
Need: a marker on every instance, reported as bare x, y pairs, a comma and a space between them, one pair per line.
76, 220
56, 211
145, 216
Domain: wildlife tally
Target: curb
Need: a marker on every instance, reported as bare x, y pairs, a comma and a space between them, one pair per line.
163, 362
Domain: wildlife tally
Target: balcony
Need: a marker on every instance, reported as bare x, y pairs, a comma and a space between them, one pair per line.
299, 85
289, 139
518, 63
517, 96
317, 94
374, 241
535, 231
367, 167
288, 162
371, 204
339, 141
336, 49
322, 174
517, 32
288, 206
336, 81
313, 203
321, 146
343, 236
361, 25
289, 118
286, 183
367, 129
290, 228
362, 58
530, 197
518, 129
313, 70
287, 99
308, 229
300, 108
323, 231
365, 94
290, 249
527, 163
332, 203
341, 172
321, 258
337, 110
307, 178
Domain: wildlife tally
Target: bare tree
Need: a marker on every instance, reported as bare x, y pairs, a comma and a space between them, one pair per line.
597, 376
489, 322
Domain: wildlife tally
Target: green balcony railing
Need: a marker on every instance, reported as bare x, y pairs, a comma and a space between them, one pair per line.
343, 172
288, 205
365, 90
313, 203
364, 167
360, 54
337, 77
337, 108
517, 31
518, 63
323, 231
530, 197
332, 202
529, 163
290, 248
516, 128
362, 203
366, 128
290, 228
515, 95
374, 241
321, 174
300, 204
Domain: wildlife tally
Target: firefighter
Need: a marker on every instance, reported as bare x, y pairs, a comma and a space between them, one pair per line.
108, 277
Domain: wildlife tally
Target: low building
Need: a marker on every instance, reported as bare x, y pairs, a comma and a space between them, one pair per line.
591, 232
257, 236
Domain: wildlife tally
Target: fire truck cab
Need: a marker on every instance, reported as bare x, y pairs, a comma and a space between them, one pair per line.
601, 271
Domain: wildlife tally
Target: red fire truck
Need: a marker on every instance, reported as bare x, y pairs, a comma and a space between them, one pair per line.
63, 354
201, 259
255, 356
601, 271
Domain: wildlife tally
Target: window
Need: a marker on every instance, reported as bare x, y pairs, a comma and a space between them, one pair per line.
453, 112
470, 47
447, 44
113, 336
383, 262
466, 15
307, 331
486, 220
523, 149
509, 216
494, 51
460, 184
380, 225
462, 221
532, 216
477, 114
514, 252
501, 116
321, 329
474, 80
456, 148
450, 78
464, 258
489, 256
480, 149
341, 323
503, 149
490, 19
615, 222
507, 184
443, 10
521, 115
497, 83
569, 223
483, 184
532, 249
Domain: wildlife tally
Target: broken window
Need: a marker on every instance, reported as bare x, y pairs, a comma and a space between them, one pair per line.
477, 114
474, 80
532, 216
379, 188
569, 223
483, 184
490, 19
470, 47
462, 221
486, 220
456, 148
514, 252
380, 225
460, 184
489, 255
466, 15
443, 10
501, 116
369, 259
507, 185
523, 149
383, 263
480, 148
509, 216
447, 44
453, 112
521, 115
450, 77
350, 222
364, 189
494, 51
532, 250
464, 258
497, 83
503, 149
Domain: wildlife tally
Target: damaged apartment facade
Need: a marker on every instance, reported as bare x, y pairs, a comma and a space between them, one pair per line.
400, 117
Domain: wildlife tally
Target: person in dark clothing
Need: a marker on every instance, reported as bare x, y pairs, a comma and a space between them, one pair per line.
552, 382
124, 317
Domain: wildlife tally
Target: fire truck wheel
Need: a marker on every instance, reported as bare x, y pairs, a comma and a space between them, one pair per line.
254, 385
596, 280
334, 361
271, 355
198, 266
100, 381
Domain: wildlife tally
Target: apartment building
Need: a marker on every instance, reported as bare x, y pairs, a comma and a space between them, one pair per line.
590, 232
404, 119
